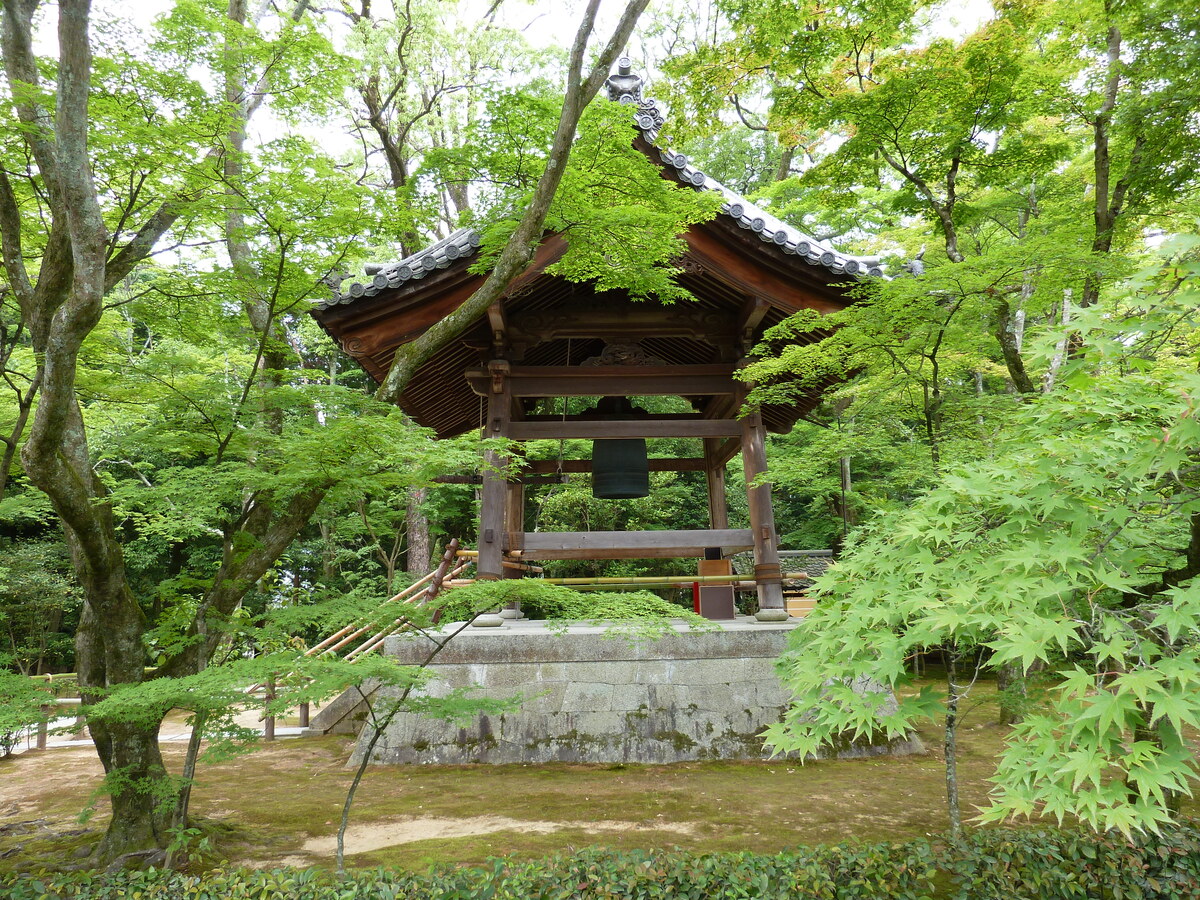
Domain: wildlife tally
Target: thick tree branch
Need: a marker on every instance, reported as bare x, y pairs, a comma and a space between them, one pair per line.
1006, 334
1172, 577
519, 249
20, 66
944, 211
10, 243
240, 570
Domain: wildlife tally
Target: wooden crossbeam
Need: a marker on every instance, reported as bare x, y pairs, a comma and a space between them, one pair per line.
601, 381
583, 466
599, 429
628, 544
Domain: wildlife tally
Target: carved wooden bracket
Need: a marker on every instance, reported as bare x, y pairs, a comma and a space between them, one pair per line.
623, 354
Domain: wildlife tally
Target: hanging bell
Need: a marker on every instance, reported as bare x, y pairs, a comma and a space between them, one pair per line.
619, 467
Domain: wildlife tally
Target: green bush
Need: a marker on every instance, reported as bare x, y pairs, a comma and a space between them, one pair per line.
540, 600
22, 704
1009, 864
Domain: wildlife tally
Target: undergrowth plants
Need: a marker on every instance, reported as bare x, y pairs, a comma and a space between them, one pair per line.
989, 865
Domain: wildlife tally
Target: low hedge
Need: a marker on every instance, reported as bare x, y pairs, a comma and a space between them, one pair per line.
1000, 864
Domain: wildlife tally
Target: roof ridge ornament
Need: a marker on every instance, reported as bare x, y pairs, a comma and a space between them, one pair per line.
624, 86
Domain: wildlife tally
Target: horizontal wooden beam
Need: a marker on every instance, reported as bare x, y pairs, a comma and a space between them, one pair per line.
582, 466
604, 381
592, 417
628, 544
529, 479
598, 429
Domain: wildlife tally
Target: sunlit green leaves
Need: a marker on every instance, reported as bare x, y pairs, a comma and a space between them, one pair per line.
1057, 551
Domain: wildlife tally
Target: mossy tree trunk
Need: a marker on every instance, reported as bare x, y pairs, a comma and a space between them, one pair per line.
79, 263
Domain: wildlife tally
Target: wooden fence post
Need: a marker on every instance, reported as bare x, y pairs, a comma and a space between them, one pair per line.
43, 728
269, 720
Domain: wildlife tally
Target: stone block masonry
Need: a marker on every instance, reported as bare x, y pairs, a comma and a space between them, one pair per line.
605, 695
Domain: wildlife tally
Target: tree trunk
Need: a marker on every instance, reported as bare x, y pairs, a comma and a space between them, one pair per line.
1010, 682
950, 744
1009, 331
419, 549
133, 765
1061, 348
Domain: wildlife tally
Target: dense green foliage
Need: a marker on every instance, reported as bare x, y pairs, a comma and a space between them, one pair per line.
1049, 553
1013, 433
21, 706
992, 865
550, 601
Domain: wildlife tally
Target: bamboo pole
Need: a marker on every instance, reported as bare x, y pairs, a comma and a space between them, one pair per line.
742, 582
666, 579
440, 575
377, 639
403, 595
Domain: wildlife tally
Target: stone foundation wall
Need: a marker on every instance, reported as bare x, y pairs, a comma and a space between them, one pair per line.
593, 696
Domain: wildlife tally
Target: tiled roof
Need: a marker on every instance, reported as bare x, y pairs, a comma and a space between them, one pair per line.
648, 117
625, 87
463, 242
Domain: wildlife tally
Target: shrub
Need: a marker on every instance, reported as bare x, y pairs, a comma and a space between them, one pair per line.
1009, 863
21, 705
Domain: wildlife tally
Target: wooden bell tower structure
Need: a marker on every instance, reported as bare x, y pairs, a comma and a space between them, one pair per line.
548, 337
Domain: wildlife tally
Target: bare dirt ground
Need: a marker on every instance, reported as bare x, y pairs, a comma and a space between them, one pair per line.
411, 829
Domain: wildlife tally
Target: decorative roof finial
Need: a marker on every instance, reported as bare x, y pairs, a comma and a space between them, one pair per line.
624, 86
333, 280
916, 265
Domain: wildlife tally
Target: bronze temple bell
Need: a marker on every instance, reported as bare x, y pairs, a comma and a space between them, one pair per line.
620, 470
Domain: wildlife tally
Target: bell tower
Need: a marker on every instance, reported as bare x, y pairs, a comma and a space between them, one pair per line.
547, 337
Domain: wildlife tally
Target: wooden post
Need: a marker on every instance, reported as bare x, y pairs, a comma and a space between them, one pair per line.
269, 720
714, 473
493, 498
771, 607
304, 714
43, 729
515, 500
514, 518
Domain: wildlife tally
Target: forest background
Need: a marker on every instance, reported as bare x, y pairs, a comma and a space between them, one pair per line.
191, 468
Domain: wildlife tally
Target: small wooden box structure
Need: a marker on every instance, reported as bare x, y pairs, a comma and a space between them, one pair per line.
715, 601
549, 337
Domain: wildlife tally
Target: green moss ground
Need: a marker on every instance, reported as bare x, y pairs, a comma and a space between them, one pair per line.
260, 809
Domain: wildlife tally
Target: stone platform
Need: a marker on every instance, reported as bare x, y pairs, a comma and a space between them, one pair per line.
602, 694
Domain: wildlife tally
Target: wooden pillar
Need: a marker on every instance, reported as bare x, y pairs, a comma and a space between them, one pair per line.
771, 607
514, 520
494, 496
514, 515
714, 473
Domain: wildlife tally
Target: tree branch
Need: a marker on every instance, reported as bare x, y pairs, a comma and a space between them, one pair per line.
519, 249
10, 243
1172, 577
